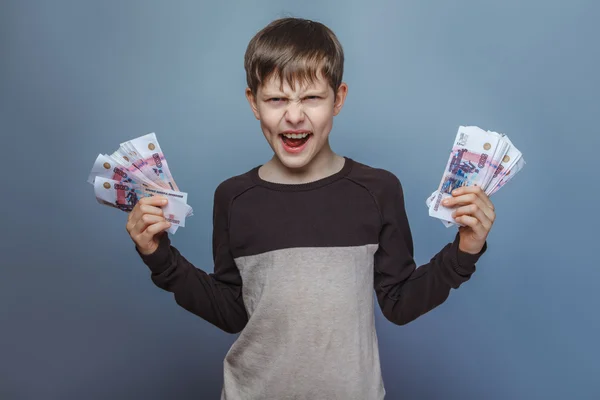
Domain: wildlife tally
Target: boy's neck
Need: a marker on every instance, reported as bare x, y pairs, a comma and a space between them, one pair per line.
325, 164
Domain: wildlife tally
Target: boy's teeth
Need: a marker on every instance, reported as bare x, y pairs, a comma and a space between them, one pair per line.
295, 135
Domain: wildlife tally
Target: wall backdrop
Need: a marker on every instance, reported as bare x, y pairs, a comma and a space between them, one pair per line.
79, 316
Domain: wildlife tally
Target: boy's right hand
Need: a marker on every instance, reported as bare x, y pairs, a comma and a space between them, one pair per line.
146, 223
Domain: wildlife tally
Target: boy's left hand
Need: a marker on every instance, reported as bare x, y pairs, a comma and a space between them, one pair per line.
476, 212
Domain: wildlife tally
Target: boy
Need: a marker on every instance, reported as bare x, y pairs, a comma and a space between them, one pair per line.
300, 242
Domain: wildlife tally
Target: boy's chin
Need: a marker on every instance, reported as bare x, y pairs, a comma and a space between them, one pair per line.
296, 161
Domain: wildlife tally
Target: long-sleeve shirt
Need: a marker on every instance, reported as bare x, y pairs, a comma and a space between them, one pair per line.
295, 267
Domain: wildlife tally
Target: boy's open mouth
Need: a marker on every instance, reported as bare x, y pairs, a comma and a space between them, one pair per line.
295, 140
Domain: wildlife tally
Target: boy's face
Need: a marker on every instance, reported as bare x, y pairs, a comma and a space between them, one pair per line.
307, 112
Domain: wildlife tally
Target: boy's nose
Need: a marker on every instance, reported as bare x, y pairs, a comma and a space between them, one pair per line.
294, 113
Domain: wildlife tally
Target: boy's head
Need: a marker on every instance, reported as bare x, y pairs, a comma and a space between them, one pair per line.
294, 70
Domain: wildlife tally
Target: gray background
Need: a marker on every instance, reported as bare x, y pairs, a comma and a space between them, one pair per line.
79, 316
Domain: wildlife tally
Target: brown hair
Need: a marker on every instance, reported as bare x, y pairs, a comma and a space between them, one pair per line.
294, 49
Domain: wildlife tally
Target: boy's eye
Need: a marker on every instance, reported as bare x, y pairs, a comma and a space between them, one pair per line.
281, 99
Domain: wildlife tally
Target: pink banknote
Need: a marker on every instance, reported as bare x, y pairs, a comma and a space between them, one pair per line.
470, 162
124, 197
484, 158
153, 159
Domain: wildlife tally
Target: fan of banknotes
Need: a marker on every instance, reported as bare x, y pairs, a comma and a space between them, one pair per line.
137, 169
484, 158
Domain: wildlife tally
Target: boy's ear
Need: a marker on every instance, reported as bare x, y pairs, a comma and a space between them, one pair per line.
252, 102
340, 97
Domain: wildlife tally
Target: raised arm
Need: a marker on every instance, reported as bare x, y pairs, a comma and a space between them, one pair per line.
215, 297
405, 292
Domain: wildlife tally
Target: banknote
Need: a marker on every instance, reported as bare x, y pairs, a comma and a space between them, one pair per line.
509, 175
150, 152
170, 194
430, 200
160, 187
124, 197
122, 178
484, 158
471, 161
107, 167
104, 169
497, 157
132, 169
508, 167
141, 164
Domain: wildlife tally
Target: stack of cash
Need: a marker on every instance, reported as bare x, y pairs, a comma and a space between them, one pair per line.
483, 158
138, 169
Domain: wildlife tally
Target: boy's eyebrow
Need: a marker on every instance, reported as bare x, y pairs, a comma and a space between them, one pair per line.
311, 92
272, 94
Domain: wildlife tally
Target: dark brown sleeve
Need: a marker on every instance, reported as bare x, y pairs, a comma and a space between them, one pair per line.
216, 297
405, 292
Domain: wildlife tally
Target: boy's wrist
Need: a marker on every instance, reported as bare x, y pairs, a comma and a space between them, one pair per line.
157, 260
465, 262
468, 259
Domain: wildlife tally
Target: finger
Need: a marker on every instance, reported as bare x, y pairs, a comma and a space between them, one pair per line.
135, 214
459, 200
474, 224
152, 230
145, 221
156, 201
152, 210
470, 198
146, 205
132, 218
478, 191
485, 198
473, 211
